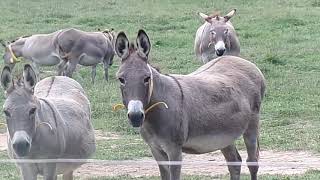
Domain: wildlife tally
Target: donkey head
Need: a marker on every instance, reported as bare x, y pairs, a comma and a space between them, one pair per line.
219, 31
135, 75
20, 108
12, 50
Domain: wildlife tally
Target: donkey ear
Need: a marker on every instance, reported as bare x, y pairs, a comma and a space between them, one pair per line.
205, 17
29, 77
6, 79
143, 42
3, 43
122, 45
230, 15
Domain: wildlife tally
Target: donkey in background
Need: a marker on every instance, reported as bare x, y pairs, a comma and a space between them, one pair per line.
45, 121
216, 37
207, 110
65, 48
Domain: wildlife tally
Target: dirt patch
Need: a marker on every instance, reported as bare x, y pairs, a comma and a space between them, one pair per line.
212, 164
271, 162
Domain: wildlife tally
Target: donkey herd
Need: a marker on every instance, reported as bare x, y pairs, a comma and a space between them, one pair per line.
204, 111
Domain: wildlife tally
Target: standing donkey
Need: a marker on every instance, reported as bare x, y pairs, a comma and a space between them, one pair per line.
47, 122
197, 113
216, 37
65, 48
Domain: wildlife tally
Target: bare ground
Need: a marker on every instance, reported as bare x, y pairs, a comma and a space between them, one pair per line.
271, 162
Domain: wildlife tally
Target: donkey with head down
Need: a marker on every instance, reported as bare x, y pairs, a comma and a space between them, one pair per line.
45, 121
216, 37
207, 109
65, 48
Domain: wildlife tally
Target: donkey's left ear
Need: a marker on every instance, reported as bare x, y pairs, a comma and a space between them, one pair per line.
230, 15
143, 42
29, 77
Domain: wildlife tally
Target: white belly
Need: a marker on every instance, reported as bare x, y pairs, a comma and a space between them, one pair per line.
207, 143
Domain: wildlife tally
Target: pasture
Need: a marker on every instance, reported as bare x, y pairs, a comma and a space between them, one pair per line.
281, 37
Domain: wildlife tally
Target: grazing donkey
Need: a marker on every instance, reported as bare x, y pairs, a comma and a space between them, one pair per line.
207, 109
87, 49
216, 37
47, 122
67, 47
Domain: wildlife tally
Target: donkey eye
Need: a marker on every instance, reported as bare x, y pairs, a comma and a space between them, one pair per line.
7, 113
122, 81
146, 80
226, 31
32, 111
213, 32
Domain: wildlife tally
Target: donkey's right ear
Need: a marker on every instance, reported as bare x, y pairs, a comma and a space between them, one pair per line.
205, 17
6, 78
29, 77
122, 45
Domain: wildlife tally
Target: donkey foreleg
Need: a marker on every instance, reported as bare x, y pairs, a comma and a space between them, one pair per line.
159, 156
107, 62
61, 67
49, 171
72, 64
231, 154
28, 172
93, 73
175, 155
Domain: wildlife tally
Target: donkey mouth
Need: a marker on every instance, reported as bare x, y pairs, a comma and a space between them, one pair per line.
136, 119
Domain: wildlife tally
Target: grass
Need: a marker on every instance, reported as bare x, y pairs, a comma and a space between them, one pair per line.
281, 37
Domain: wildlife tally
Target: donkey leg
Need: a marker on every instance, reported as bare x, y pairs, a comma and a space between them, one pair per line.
93, 73
160, 155
175, 154
36, 69
49, 171
251, 140
231, 154
71, 67
28, 172
107, 62
68, 176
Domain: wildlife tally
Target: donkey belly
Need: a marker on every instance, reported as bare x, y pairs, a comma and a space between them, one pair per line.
207, 143
87, 60
49, 60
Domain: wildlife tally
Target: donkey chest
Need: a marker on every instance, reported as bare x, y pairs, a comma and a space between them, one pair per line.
207, 143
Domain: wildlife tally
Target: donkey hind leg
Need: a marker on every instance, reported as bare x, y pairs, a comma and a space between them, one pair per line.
72, 64
160, 155
68, 176
231, 154
252, 144
107, 62
49, 171
93, 73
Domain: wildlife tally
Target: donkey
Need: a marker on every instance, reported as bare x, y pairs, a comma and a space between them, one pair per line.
216, 37
87, 49
46, 122
207, 109
65, 48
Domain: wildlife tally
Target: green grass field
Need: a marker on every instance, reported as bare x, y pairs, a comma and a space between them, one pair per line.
281, 36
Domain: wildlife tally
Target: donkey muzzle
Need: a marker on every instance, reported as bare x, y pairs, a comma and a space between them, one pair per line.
21, 143
135, 113
220, 48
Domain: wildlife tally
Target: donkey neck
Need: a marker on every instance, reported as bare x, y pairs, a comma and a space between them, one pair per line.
166, 88
17, 47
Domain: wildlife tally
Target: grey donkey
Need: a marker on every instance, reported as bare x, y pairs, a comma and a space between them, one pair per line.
50, 119
65, 48
207, 110
216, 37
